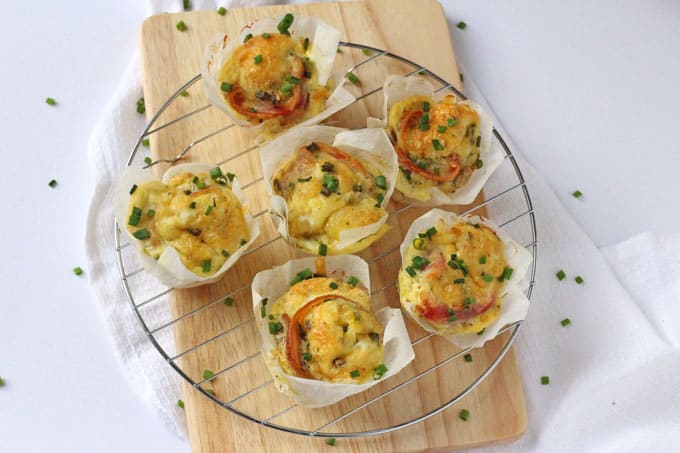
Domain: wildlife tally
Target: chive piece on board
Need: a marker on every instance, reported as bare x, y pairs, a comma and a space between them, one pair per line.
353, 78
221, 10
77, 270
181, 26
52, 183
578, 279
545, 380
50, 101
461, 25
565, 322
464, 415
560, 275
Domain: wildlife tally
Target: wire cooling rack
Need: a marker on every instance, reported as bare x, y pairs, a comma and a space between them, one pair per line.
520, 222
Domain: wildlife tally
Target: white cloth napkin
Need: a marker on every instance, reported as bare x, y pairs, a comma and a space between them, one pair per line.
614, 371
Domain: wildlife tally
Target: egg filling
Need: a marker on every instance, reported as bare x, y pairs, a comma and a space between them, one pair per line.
270, 76
437, 144
196, 214
325, 331
327, 192
452, 277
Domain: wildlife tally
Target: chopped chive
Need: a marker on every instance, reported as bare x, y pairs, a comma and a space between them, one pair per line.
247, 38
453, 265
481, 332
331, 441
560, 275
201, 185
243, 242
327, 167
354, 373
180, 403
208, 209
186, 4
215, 172
52, 183
366, 52
419, 262
181, 26
307, 357
231, 176
285, 24
192, 205
292, 79
431, 232
468, 357
210, 391
133, 188
258, 59
426, 106
225, 253
135, 217
565, 322
379, 198
410, 271
482, 259
333, 285
207, 374
379, 371
451, 122
507, 273
147, 160
312, 147
488, 278
323, 249
459, 281
381, 182
441, 129
77, 270
305, 179
338, 50
287, 88
305, 44
353, 78
2, 382
352, 280
146, 142
462, 25
424, 123
50, 101
479, 163
464, 415
275, 327
302, 275
229, 301
545, 380
263, 307
142, 234
221, 10
150, 213
469, 301
266, 35
194, 179
418, 243
226, 86
479, 141
462, 78
141, 107
579, 279
452, 315
206, 266
577, 194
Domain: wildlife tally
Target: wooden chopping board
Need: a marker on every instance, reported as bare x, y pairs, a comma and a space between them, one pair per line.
218, 336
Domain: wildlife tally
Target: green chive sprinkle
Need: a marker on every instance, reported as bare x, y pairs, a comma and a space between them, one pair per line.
201, 185
146, 143
263, 307
285, 24
366, 52
410, 271
302, 275
451, 122
462, 25
379, 371
208, 209
258, 59
305, 44
459, 281
226, 86
468, 357
133, 188
2, 382
469, 301
333, 285
181, 26
577, 194
353, 78
266, 35
436, 144
180, 403
579, 279
352, 280
225, 253
479, 163
231, 176
77, 270
210, 391
307, 357
52, 183
419, 262
481, 332
381, 182
323, 249
464, 415
135, 217
545, 380
142, 234
488, 278
207, 374
305, 179
507, 273
441, 129
141, 107
479, 141
192, 205
147, 160
186, 4
426, 106
462, 79
560, 275
418, 243
221, 10
354, 373
379, 198
50, 101
452, 315
228, 301
206, 266
275, 327
243, 242
215, 172
482, 259
565, 322
331, 441
424, 123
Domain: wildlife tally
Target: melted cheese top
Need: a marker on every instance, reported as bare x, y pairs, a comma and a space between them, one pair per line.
327, 193
271, 78
454, 127
341, 340
457, 289
204, 226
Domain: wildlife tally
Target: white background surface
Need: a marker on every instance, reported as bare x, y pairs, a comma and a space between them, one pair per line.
588, 91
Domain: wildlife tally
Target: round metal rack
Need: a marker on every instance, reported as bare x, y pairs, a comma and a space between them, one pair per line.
138, 298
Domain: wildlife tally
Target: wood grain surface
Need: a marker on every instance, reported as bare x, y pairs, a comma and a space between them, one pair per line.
211, 335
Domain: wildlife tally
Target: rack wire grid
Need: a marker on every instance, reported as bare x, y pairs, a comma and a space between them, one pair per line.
138, 300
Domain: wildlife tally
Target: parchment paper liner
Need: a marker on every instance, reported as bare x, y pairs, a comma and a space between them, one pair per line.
273, 283
397, 88
369, 145
324, 40
515, 304
169, 267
